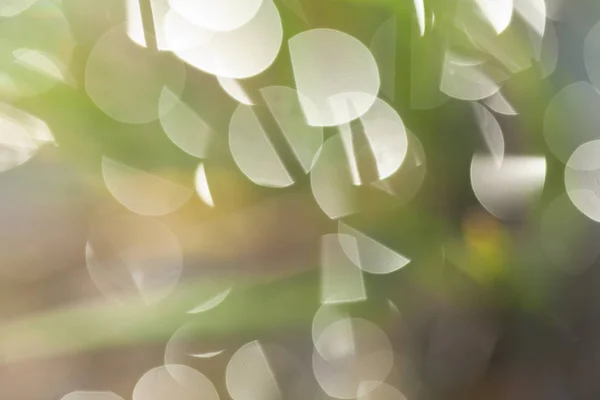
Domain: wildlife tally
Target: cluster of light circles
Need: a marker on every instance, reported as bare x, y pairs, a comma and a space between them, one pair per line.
570, 131
338, 83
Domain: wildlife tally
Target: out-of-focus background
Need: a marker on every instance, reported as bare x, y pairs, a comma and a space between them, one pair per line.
299, 199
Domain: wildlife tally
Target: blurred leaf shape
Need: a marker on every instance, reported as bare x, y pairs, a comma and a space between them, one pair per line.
43, 64
210, 303
372, 256
126, 81
465, 80
21, 136
253, 151
142, 192
332, 70
341, 279
499, 104
183, 126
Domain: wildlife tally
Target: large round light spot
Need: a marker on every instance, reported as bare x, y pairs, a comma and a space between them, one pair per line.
170, 382
336, 73
240, 53
357, 351
571, 119
133, 256
126, 81
582, 177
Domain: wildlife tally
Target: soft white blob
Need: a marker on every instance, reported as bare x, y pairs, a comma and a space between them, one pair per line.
498, 13
170, 382
325, 316
406, 182
386, 136
221, 15
383, 47
249, 375
235, 90
466, 82
253, 151
571, 119
10, 8
42, 63
21, 136
548, 59
186, 129
378, 391
133, 256
372, 256
305, 140
126, 81
533, 13
142, 192
568, 237
91, 395
484, 36
499, 104
420, 14
358, 351
582, 177
506, 190
491, 131
331, 181
240, 53
336, 73
266, 372
202, 187
210, 303
181, 34
341, 280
